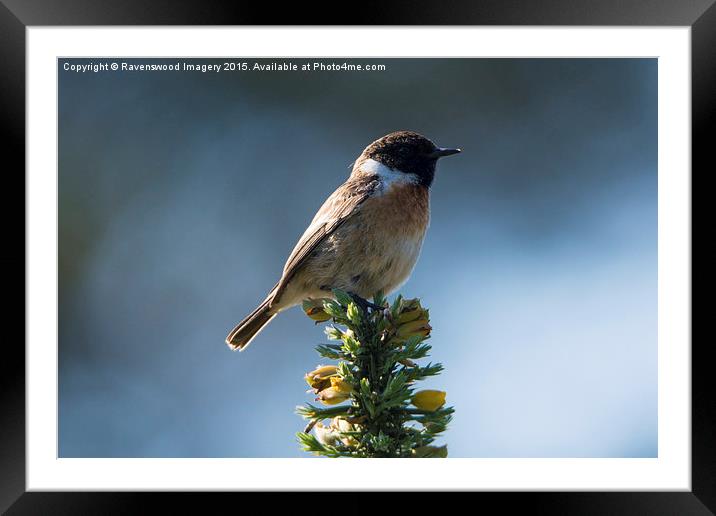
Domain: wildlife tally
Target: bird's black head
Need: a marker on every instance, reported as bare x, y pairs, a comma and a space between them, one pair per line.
408, 152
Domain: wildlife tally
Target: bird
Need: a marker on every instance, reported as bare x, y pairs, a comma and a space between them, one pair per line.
367, 235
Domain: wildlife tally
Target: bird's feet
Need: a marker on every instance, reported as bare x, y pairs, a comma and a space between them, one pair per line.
364, 304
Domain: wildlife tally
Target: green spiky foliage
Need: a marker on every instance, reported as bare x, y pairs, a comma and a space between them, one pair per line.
370, 394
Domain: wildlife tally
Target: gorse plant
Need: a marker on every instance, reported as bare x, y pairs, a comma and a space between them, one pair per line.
369, 394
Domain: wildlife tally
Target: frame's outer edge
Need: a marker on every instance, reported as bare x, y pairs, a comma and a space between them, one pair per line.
703, 122
12, 376
487, 12
417, 12
548, 504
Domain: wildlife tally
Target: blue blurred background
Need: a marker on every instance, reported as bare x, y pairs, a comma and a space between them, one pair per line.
181, 195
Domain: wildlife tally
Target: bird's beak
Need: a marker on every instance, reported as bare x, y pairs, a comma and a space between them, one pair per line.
441, 152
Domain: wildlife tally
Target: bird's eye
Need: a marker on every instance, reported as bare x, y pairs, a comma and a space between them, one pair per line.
403, 151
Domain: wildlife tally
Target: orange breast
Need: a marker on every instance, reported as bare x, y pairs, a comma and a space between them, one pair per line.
402, 210
391, 227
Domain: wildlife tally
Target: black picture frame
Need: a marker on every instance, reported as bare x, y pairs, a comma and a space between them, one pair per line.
16, 15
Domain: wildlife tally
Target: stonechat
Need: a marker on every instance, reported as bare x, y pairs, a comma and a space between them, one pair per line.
367, 235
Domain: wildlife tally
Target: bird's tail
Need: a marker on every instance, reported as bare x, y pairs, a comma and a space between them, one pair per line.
246, 330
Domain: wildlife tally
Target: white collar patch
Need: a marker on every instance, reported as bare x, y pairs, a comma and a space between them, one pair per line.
387, 175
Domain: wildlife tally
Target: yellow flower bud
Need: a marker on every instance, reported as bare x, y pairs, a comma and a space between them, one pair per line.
314, 310
340, 385
406, 317
414, 328
429, 400
407, 305
410, 310
326, 435
319, 378
332, 396
341, 425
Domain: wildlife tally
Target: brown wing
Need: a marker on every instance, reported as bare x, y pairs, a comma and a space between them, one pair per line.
335, 211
